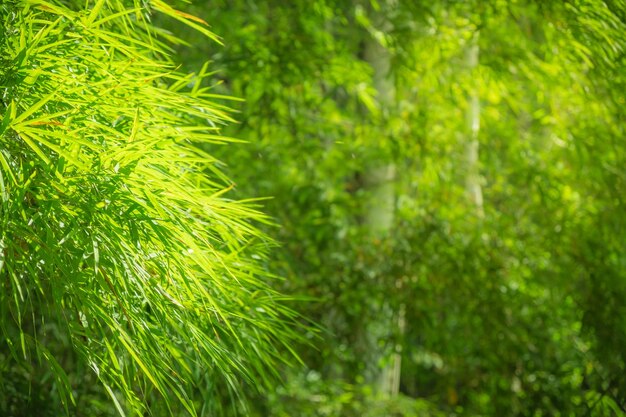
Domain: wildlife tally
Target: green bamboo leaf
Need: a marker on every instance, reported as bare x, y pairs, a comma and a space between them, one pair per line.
93, 14
32, 109
7, 168
31, 143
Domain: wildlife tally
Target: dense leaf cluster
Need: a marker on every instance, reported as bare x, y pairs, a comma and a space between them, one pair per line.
121, 259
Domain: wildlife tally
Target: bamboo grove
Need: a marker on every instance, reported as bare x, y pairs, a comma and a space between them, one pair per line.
442, 186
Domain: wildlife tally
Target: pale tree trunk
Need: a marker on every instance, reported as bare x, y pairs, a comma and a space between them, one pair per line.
379, 216
473, 185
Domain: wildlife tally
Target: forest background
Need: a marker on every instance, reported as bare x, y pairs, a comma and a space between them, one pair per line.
445, 181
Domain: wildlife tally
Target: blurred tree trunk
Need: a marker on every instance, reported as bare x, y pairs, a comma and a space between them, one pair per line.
379, 217
472, 156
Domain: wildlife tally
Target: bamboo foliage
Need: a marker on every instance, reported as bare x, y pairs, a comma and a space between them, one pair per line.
114, 225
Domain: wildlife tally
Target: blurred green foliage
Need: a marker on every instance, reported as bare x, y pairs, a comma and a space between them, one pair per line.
518, 311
